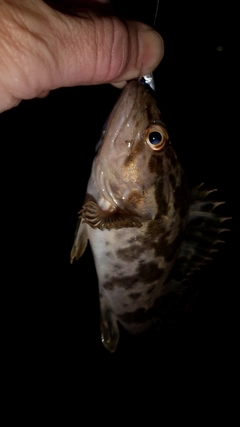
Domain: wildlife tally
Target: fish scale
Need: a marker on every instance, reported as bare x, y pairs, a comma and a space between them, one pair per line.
147, 231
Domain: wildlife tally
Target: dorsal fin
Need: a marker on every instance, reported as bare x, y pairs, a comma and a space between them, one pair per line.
201, 239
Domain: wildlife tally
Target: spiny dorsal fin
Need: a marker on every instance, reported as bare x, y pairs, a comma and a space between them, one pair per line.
200, 239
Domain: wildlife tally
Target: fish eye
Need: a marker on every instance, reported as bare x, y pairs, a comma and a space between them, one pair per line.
156, 137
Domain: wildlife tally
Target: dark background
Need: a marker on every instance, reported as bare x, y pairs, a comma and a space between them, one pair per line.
47, 150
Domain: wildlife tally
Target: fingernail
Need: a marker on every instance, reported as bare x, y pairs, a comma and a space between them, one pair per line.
119, 85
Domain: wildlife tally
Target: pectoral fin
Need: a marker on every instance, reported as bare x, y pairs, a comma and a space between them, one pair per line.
94, 216
80, 241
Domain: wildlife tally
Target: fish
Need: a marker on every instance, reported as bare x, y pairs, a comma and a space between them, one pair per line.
147, 230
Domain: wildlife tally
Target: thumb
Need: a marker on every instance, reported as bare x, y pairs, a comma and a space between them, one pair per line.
43, 49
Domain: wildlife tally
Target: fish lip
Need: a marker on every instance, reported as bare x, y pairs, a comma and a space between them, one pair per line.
131, 96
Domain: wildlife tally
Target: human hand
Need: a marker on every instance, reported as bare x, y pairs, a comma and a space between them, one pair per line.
42, 49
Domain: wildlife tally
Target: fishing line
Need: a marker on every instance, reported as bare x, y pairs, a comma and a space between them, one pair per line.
148, 80
156, 14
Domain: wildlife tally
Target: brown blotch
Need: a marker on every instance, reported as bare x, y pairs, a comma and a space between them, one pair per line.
151, 289
130, 254
171, 155
166, 249
142, 315
132, 156
126, 282
155, 163
129, 159
109, 285
172, 180
161, 199
146, 273
135, 295
181, 198
134, 198
132, 240
149, 272
138, 316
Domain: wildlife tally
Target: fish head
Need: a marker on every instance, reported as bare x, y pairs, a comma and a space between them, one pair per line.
135, 155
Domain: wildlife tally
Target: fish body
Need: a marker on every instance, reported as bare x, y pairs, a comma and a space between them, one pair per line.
136, 212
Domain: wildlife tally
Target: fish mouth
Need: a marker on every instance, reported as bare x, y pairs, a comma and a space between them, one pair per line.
116, 195
128, 113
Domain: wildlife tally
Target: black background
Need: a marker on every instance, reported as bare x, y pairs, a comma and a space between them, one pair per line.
48, 145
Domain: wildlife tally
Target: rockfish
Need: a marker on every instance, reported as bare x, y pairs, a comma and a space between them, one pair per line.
147, 231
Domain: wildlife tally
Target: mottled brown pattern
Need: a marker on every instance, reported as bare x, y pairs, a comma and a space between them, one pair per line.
117, 267
181, 198
129, 254
145, 273
170, 154
131, 282
132, 156
126, 282
141, 315
138, 316
149, 272
129, 159
172, 180
155, 228
161, 199
151, 289
166, 249
155, 163
135, 295
134, 198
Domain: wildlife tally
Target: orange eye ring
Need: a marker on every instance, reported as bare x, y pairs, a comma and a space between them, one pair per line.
156, 137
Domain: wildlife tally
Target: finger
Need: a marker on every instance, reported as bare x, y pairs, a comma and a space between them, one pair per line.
42, 49
43, 94
104, 49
